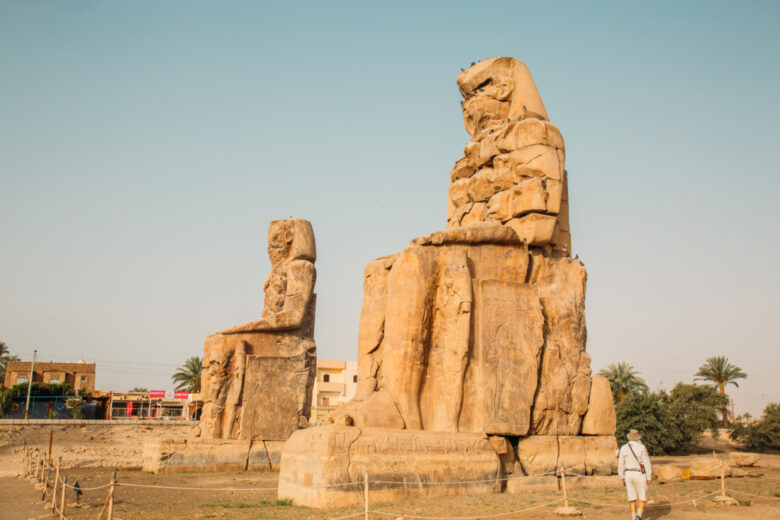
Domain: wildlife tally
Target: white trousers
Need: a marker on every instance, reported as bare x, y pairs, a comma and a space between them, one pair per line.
636, 485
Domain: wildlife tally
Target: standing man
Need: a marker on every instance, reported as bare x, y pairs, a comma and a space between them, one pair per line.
635, 470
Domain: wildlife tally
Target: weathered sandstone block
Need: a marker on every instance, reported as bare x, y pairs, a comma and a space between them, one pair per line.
600, 419
739, 458
600, 456
544, 454
708, 467
666, 472
180, 455
324, 466
538, 454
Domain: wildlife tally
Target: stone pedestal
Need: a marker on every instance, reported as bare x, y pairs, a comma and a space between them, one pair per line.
209, 455
324, 466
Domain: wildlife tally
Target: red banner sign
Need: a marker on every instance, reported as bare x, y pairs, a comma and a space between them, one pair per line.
168, 394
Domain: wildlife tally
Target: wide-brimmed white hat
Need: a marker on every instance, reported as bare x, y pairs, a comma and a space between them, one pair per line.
633, 435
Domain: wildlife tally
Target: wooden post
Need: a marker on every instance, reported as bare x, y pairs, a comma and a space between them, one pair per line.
722, 480
563, 486
45, 481
54, 487
111, 497
365, 492
62, 499
51, 438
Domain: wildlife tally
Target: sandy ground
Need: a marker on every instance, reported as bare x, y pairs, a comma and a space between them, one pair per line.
119, 447
158, 503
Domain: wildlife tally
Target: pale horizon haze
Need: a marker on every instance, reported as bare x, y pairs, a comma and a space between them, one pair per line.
145, 146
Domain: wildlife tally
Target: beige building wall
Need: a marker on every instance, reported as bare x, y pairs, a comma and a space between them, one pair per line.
335, 384
79, 375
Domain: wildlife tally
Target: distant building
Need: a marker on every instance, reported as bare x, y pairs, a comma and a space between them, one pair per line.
78, 375
335, 384
155, 404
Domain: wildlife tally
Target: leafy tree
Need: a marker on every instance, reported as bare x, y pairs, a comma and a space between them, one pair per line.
623, 379
719, 371
5, 401
187, 377
692, 409
41, 389
139, 389
4, 349
645, 412
762, 435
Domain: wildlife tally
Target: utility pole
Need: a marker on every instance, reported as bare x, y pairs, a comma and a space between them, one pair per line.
29, 386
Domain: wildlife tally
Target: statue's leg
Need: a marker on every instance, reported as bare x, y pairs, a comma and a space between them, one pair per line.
409, 301
456, 298
235, 387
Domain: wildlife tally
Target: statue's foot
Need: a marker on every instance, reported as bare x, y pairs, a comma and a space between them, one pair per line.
376, 411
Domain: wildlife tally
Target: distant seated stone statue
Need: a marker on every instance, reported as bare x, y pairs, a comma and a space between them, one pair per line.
258, 377
290, 285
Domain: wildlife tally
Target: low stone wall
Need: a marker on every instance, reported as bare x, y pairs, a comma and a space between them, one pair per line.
209, 455
101, 422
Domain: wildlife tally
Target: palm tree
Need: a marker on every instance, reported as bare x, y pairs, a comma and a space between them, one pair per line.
187, 377
4, 359
623, 379
719, 371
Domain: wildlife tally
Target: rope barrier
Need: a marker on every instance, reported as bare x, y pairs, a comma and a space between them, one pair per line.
353, 515
478, 517
84, 488
692, 500
751, 494
183, 488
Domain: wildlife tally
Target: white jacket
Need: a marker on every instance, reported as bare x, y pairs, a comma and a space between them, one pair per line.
626, 459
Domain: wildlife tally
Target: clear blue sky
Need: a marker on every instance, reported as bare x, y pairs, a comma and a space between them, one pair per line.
144, 146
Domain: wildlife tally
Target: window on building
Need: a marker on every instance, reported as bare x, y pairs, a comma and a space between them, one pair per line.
83, 379
54, 380
21, 379
326, 378
354, 379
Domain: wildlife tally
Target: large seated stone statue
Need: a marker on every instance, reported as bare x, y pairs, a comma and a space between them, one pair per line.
258, 377
481, 327
471, 345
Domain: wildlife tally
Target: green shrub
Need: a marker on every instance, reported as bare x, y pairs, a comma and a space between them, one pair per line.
646, 413
669, 423
693, 409
762, 435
